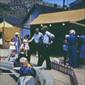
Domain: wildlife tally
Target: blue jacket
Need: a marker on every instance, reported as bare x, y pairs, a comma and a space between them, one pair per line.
72, 39
24, 71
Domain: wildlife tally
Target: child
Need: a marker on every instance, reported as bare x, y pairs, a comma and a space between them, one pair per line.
65, 51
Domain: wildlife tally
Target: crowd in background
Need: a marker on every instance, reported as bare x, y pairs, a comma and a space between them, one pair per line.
43, 40
73, 47
73, 50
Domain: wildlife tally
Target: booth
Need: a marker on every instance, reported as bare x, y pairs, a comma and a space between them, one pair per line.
8, 31
59, 23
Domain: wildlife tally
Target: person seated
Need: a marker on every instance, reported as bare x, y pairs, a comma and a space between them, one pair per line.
25, 49
13, 56
26, 68
23, 52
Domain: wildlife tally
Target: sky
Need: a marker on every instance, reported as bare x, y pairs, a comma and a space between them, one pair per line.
60, 2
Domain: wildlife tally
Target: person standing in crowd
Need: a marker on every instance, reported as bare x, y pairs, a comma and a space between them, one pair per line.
37, 37
65, 50
82, 49
72, 48
47, 40
25, 49
1, 41
12, 45
17, 41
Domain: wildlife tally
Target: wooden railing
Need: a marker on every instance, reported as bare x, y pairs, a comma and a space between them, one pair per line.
66, 70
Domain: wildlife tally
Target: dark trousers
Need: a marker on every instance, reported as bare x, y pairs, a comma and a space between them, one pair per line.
73, 57
38, 48
28, 55
65, 54
45, 56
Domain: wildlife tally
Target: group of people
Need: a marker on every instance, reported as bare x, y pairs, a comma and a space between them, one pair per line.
43, 39
74, 48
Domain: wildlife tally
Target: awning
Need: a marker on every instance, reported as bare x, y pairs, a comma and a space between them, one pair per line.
5, 24
57, 17
9, 30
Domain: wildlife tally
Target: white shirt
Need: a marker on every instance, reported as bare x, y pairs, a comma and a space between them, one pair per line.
37, 37
12, 46
1, 41
46, 37
24, 46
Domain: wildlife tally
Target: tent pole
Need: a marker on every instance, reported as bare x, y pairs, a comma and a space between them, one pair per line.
80, 24
3, 33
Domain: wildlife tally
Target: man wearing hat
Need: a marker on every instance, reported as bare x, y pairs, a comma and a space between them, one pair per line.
47, 41
37, 37
72, 48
